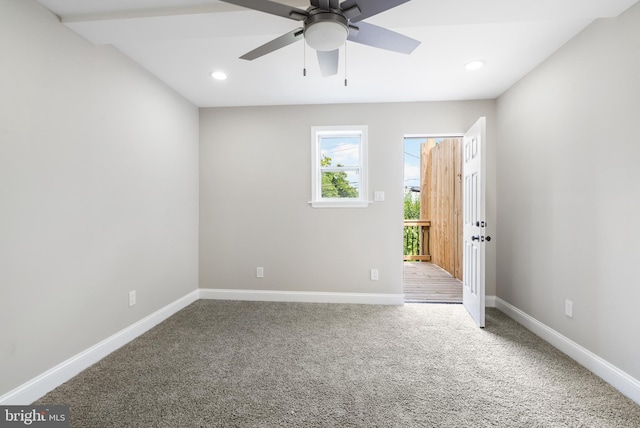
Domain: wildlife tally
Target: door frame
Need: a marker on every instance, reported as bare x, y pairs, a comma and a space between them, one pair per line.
459, 135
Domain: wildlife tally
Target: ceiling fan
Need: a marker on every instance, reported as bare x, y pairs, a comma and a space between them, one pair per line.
327, 24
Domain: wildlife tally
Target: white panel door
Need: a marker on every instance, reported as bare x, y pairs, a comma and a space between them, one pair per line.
474, 224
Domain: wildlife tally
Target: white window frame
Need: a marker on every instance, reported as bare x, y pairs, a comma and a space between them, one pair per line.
317, 201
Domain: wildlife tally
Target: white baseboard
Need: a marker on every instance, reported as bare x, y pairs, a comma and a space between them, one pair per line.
52, 378
47, 381
489, 301
302, 296
623, 382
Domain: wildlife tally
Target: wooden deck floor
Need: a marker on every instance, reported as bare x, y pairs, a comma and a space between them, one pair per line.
426, 282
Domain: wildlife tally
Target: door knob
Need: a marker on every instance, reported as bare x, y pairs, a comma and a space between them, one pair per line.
475, 238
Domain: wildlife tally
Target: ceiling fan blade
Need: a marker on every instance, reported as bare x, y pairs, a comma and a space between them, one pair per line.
275, 44
379, 37
369, 8
328, 61
272, 7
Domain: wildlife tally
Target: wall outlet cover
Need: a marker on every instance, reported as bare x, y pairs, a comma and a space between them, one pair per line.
568, 308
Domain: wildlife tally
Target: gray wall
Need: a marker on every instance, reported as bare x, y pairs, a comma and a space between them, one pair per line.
569, 190
255, 184
98, 193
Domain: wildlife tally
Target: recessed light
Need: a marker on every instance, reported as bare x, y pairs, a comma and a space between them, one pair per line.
219, 75
474, 65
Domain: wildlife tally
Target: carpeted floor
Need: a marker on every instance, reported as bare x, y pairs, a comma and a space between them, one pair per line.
258, 364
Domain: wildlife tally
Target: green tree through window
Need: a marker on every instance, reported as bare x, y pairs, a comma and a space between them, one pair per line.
336, 184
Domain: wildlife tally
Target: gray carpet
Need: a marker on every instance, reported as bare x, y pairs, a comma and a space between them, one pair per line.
251, 364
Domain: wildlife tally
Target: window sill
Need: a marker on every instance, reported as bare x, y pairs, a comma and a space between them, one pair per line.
340, 204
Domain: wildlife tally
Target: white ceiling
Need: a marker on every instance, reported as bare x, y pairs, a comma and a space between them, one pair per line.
182, 41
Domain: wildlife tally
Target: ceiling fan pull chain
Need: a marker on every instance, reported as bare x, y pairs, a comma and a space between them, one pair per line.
304, 59
345, 64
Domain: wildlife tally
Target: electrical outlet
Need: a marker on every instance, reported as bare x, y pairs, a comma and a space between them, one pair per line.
260, 272
374, 274
568, 308
132, 298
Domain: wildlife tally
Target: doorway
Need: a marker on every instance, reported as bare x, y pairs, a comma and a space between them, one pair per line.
433, 219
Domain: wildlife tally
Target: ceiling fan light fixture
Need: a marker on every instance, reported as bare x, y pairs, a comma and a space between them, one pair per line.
326, 35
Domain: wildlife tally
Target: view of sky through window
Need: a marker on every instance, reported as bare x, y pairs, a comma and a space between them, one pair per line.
342, 150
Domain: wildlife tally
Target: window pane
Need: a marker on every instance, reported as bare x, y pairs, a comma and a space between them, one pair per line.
344, 184
340, 150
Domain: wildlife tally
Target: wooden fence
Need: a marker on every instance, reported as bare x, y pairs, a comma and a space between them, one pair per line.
441, 201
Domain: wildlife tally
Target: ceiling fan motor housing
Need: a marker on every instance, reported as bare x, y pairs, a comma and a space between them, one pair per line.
325, 30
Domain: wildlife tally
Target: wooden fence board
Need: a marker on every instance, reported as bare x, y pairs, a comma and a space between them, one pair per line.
441, 201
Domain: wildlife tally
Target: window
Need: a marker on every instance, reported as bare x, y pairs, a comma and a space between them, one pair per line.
339, 166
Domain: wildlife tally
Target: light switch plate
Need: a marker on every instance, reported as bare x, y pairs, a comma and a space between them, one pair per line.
378, 196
